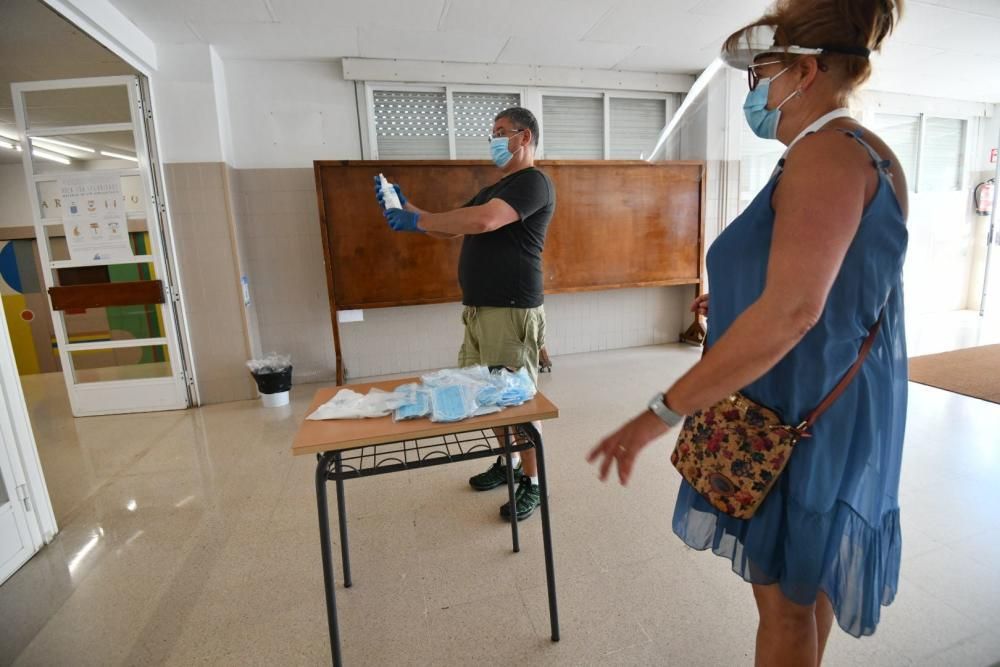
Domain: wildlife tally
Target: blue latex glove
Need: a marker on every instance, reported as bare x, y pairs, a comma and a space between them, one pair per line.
401, 220
378, 194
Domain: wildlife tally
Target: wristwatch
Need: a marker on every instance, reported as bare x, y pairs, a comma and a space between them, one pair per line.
658, 406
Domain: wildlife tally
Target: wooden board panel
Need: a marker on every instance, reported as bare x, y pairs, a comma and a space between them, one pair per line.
81, 297
617, 224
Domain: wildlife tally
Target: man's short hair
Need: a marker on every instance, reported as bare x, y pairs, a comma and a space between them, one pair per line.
522, 119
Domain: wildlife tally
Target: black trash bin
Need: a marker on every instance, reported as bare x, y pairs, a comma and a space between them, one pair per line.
273, 385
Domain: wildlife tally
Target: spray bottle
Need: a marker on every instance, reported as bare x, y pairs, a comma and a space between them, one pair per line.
388, 193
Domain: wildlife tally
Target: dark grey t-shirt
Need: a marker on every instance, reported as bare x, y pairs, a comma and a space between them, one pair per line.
504, 267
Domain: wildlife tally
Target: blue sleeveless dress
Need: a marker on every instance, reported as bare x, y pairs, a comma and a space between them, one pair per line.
831, 523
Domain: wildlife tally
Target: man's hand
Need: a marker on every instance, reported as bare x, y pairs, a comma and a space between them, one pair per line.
381, 200
401, 220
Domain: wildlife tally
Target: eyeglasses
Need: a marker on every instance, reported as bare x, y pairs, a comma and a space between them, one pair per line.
493, 136
753, 79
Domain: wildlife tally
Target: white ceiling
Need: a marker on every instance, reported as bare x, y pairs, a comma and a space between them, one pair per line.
943, 48
37, 44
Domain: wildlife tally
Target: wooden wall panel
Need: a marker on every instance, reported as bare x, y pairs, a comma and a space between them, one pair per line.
617, 224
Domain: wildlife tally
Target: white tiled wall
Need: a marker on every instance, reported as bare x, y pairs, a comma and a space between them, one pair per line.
209, 278
278, 222
398, 340
240, 229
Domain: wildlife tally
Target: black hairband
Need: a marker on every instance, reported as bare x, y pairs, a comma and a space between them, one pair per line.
848, 50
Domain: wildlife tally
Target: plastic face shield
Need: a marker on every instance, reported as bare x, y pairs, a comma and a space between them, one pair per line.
757, 42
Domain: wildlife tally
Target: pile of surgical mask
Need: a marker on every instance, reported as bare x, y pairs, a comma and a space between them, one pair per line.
457, 394
449, 395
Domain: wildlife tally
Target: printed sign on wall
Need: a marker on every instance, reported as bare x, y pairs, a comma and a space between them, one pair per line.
93, 214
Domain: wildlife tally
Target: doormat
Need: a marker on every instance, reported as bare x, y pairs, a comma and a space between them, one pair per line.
971, 372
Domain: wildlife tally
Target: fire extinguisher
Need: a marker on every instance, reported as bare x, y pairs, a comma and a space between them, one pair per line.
983, 197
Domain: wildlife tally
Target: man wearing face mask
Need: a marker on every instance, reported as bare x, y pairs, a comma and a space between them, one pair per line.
500, 272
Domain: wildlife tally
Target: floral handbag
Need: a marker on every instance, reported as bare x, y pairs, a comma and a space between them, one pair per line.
732, 452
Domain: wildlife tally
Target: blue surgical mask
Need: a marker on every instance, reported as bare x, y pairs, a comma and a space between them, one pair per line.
764, 121
499, 150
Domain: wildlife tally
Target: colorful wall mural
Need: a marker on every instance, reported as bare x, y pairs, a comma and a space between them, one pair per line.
25, 305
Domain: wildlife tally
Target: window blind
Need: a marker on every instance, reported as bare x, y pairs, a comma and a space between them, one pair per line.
902, 134
411, 125
943, 154
573, 127
474, 114
635, 126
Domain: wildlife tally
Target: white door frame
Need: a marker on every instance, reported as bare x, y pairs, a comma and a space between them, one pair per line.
120, 396
991, 240
17, 445
108, 27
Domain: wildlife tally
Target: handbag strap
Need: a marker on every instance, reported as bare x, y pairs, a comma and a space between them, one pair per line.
866, 347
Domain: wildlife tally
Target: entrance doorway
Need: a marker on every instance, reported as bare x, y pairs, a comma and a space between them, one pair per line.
90, 322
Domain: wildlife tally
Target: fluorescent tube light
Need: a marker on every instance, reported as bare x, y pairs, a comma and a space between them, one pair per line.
53, 149
45, 155
65, 144
120, 156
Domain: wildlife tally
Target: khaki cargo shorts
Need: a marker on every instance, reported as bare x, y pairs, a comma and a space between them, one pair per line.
510, 337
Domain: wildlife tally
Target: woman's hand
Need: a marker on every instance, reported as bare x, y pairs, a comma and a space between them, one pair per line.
700, 305
625, 444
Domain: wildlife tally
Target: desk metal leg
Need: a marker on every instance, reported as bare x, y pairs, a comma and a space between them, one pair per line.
326, 548
345, 555
550, 573
510, 489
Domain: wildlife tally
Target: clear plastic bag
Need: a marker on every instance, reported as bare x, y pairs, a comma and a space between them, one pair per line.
516, 388
474, 375
272, 363
349, 404
452, 402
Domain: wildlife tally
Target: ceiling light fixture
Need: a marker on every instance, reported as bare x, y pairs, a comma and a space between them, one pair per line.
45, 155
53, 149
66, 144
6, 144
120, 156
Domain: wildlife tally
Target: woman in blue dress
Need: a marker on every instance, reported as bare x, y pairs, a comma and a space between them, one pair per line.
797, 281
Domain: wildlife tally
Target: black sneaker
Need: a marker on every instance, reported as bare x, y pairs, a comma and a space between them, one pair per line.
527, 498
494, 477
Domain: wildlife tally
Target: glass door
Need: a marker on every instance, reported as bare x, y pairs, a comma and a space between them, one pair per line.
16, 544
97, 221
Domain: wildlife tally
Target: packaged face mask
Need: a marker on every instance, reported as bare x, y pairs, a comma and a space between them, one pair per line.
416, 403
515, 388
452, 403
467, 375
